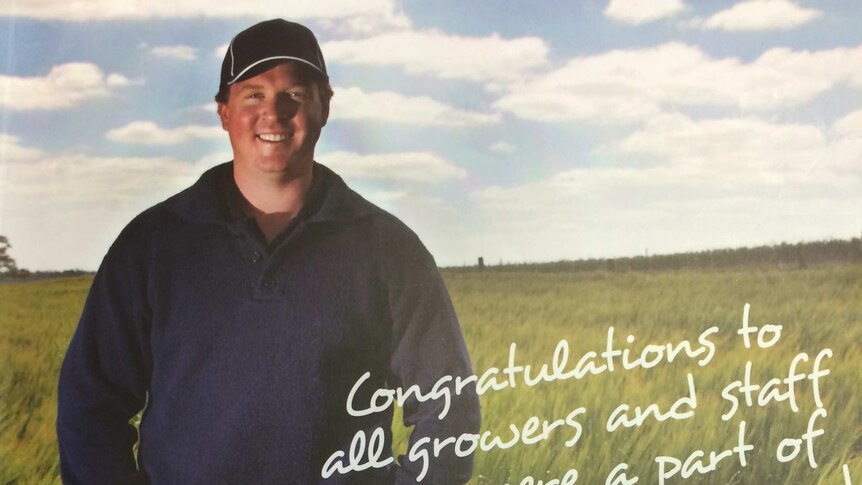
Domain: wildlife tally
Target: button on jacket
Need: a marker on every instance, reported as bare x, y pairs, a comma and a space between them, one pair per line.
245, 352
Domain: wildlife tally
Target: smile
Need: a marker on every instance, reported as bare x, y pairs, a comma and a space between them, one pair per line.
271, 137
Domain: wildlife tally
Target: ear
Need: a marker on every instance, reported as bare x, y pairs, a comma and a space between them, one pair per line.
324, 116
223, 115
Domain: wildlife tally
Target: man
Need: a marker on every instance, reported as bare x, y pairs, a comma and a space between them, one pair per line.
242, 312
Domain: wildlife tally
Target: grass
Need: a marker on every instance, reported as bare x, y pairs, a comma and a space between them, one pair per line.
36, 323
818, 307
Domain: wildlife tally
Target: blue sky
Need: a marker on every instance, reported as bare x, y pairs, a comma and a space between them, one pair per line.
518, 131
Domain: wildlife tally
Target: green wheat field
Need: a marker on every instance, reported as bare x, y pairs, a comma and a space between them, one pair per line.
817, 307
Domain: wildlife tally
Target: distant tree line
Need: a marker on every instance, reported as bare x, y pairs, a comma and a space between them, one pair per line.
784, 255
10, 272
8, 267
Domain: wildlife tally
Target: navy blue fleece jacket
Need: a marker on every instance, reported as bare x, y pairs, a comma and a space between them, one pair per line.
245, 352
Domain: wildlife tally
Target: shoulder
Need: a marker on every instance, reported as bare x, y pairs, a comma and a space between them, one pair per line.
346, 204
403, 256
201, 202
172, 217
397, 247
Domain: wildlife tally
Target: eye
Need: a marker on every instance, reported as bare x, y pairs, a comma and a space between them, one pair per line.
254, 95
298, 95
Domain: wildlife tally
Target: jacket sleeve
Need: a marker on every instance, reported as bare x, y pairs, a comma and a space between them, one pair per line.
105, 374
428, 345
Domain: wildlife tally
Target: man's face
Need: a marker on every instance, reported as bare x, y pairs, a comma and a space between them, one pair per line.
274, 120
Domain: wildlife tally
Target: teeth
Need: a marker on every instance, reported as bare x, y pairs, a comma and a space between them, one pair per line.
271, 137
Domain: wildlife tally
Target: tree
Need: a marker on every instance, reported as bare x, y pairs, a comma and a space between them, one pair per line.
7, 264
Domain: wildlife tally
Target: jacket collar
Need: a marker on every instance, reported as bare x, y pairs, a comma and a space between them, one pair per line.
205, 201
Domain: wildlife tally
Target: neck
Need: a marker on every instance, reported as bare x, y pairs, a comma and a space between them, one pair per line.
273, 200
273, 193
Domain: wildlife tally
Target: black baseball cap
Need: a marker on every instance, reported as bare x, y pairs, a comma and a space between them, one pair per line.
261, 46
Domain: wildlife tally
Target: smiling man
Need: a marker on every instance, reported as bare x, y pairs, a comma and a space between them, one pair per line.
274, 120
240, 313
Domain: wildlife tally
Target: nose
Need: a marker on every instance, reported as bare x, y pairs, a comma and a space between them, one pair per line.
282, 107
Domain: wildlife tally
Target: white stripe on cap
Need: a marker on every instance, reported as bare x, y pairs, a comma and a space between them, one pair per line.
230, 48
270, 59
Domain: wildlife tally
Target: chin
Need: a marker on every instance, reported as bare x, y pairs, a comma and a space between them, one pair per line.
290, 167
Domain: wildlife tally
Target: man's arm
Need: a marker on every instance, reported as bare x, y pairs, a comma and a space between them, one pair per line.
105, 375
428, 345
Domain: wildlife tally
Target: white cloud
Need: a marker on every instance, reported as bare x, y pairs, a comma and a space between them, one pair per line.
76, 179
149, 133
65, 86
849, 125
631, 85
385, 197
62, 211
211, 108
10, 150
502, 147
759, 15
382, 11
220, 51
178, 52
406, 167
637, 12
211, 160
367, 24
727, 146
489, 59
710, 183
741, 153
387, 106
